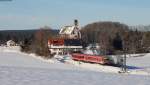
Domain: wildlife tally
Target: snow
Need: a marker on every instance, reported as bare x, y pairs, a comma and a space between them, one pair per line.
18, 68
36, 76
143, 61
11, 58
140, 64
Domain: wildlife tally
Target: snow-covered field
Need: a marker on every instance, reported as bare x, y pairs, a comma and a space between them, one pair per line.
18, 68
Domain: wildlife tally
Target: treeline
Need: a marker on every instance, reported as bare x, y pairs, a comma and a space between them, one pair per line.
16, 35
39, 42
114, 36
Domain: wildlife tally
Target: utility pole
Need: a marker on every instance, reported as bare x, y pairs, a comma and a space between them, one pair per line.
124, 59
124, 56
124, 62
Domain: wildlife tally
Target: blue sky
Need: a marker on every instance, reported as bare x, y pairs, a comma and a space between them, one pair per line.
33, 14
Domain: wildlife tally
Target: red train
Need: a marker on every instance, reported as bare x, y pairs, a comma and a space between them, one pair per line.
89, 58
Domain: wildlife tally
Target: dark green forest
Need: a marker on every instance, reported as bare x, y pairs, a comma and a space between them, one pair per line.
18, 35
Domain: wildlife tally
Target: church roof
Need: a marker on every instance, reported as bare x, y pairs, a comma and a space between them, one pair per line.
67, 30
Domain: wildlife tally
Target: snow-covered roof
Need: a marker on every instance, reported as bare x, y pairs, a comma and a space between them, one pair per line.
67, 30
10, 41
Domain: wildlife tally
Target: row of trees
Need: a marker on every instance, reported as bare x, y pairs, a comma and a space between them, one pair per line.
16, 35
39, 43
113, 37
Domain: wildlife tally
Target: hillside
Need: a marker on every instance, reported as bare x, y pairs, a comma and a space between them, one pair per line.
17, 68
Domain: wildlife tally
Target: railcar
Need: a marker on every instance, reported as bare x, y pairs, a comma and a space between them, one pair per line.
89, 58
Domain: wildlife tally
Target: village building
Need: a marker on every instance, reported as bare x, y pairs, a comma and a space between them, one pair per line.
10, 43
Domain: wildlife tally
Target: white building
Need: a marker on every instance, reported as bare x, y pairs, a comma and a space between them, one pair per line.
10, 43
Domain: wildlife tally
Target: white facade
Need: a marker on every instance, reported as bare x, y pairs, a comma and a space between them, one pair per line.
10, 43
60, 49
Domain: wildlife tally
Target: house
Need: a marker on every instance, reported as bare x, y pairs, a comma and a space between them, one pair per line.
10, 43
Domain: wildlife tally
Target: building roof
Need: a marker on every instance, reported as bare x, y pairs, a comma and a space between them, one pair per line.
10, 41
67, 30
